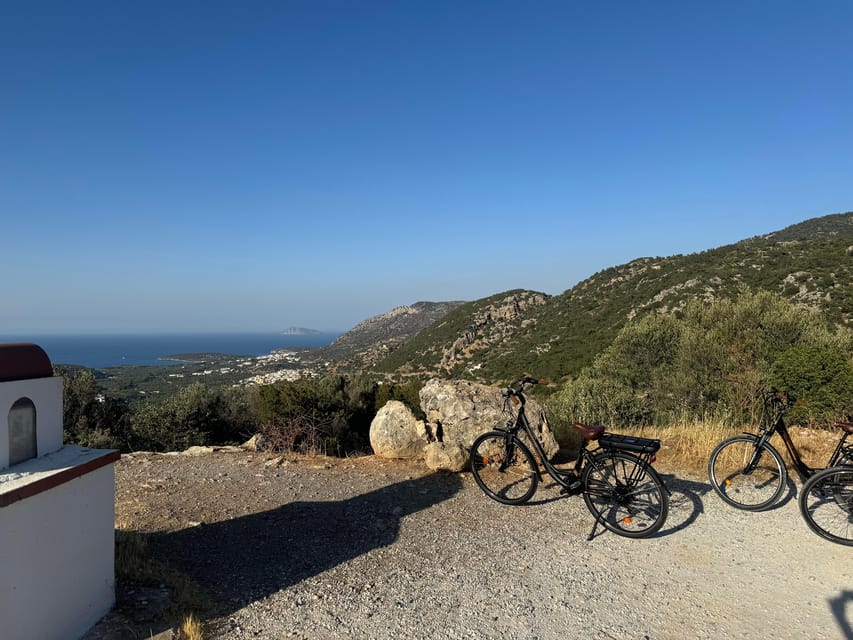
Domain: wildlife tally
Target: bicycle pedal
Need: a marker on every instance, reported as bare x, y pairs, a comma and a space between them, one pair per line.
572, 489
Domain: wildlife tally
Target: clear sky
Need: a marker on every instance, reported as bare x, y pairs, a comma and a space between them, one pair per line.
195, 166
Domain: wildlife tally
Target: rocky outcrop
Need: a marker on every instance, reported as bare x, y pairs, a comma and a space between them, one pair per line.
368, 342
492, 325
457, 411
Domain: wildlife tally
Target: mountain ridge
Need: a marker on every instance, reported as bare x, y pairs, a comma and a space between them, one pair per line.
374, 338
555, 336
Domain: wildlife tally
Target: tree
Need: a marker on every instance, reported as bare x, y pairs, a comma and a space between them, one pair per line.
89, 416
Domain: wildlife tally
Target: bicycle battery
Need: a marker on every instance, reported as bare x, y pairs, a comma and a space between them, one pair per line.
620, 442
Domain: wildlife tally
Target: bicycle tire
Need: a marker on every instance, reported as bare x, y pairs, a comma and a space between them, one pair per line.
504, 468
625, 494
826, 504
755, 491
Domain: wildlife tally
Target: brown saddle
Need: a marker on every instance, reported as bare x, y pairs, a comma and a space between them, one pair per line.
590, 432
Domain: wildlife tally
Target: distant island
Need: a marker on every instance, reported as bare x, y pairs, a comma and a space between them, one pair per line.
300, 331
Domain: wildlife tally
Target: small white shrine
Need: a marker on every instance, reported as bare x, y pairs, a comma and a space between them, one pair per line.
57, 509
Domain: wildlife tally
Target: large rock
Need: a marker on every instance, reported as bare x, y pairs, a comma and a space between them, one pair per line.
458, 411
446, 456
396, 433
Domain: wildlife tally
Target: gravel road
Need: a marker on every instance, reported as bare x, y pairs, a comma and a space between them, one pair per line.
366, 548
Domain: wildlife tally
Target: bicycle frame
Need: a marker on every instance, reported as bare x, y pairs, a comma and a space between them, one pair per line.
803, 470
565, 478
569, 480
777, 425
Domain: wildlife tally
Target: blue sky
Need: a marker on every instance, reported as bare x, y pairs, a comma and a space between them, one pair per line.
209, 166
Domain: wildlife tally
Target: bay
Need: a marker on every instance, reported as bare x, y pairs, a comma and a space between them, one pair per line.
111, 350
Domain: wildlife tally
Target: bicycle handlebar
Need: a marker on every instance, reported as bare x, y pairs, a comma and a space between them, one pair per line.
529, 380
783, 397
517, 395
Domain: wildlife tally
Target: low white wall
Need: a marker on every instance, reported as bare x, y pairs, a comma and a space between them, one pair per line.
57, 556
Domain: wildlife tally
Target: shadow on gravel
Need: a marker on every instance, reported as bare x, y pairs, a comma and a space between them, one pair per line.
685, 503
245, 559
839, 607
790, 494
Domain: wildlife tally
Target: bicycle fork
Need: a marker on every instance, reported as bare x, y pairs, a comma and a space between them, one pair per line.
755, 458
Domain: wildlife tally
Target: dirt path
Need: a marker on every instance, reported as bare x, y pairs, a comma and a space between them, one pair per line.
365, 548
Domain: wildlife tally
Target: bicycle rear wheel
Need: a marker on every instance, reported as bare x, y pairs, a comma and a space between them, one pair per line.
504, 468
739, 487
826, 502
625, 494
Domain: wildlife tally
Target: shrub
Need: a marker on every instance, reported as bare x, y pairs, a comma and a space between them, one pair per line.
821, 377
712, 363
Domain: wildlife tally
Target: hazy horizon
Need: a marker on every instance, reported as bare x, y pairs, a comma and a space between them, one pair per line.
166, 332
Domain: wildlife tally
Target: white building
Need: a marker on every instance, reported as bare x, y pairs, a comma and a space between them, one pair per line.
57, 509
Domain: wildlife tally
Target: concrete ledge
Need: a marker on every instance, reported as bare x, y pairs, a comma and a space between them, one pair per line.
42, 474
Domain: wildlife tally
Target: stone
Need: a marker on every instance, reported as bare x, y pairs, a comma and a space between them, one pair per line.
198, 451
257, 442
446, 456
396, 433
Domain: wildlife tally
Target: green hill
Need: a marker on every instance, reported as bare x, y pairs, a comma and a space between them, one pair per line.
497, 338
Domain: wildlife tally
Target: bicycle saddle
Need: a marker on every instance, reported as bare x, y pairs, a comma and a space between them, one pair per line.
590, 432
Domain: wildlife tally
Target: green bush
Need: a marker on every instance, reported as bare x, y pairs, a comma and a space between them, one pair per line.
331, 415
712, 362
821, 377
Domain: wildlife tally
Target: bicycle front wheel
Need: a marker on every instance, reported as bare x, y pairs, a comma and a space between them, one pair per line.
504, 468
745, 475
826, 502
625, 494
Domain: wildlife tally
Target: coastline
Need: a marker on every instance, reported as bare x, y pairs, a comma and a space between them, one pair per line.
101, 351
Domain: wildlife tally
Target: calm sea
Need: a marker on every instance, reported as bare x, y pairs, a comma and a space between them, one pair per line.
98, 351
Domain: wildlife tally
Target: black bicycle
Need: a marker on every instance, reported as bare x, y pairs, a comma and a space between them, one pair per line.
748, 472
620, 488
826, 500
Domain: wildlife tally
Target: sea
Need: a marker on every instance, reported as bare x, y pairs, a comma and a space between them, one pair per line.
114, 350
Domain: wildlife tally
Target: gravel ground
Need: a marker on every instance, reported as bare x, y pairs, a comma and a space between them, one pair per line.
364, 548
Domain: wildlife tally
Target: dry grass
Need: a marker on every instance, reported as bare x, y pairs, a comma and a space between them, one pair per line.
135, 566
191, 629
688, 446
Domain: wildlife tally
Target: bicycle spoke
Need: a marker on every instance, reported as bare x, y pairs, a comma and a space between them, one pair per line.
826, 503
503, 469
744, 477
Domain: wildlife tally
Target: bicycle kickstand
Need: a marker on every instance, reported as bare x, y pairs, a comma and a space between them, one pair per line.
592, 533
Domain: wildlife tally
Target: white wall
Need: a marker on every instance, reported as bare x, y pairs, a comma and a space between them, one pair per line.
46, 394
57, 558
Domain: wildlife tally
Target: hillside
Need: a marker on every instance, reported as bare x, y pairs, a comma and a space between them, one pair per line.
497, 338
370, 341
